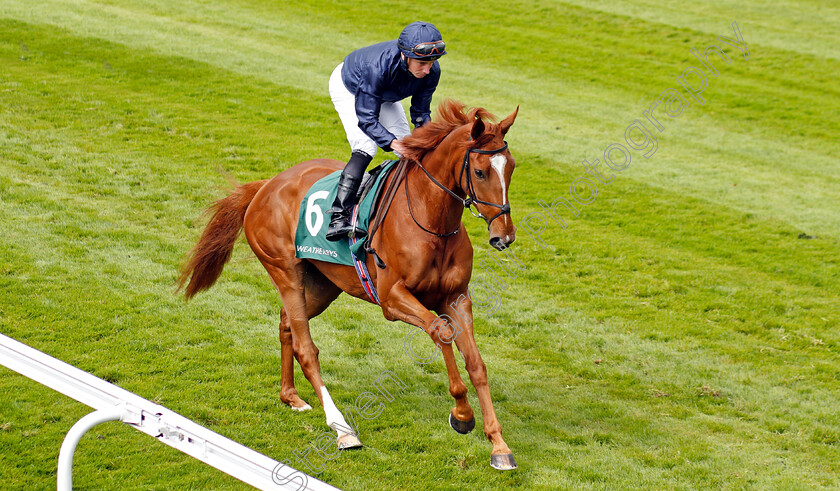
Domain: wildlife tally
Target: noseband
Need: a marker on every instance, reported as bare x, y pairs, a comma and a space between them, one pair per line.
504, 209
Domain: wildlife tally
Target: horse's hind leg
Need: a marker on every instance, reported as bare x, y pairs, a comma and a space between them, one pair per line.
290, 282
288, 392
319, 293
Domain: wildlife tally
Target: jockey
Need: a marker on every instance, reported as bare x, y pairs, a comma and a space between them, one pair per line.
366, 90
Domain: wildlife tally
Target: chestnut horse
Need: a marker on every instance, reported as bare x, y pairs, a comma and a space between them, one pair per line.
425, 247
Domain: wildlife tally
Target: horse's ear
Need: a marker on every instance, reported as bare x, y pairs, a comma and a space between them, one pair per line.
508, 121
477, 129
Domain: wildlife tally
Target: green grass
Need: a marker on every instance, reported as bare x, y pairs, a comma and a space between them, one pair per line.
682, 332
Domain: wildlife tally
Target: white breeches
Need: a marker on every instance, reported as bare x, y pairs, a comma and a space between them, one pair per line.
391, 116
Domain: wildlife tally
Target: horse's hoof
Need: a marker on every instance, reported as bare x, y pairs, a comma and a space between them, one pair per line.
347, 441
305, 407
503, 462
462, 427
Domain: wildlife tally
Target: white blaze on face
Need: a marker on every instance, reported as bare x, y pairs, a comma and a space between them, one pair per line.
498, 162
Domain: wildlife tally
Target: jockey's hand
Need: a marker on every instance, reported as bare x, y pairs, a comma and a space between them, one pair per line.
398, 147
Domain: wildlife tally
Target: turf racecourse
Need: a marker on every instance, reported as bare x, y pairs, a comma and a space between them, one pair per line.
681, 332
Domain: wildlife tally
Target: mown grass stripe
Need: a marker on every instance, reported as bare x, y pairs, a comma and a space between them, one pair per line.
713, 324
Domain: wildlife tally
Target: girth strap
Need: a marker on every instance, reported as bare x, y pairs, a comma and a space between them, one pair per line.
361, 268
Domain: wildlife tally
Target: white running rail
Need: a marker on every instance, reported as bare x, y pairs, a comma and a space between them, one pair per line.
115, 404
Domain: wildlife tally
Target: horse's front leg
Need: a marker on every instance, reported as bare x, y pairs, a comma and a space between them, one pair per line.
459, 309
400, 304
461, 418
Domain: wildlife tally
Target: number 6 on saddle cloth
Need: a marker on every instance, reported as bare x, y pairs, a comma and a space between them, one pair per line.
310, 237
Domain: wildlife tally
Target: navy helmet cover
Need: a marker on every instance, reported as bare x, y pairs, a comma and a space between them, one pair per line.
417, 33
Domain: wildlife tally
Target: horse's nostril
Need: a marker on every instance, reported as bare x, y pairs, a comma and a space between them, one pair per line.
497, 243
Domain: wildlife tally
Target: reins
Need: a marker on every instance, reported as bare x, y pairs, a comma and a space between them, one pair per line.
408, 200
401, 174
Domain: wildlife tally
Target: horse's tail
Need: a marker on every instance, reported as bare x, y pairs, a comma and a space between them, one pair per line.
205, 262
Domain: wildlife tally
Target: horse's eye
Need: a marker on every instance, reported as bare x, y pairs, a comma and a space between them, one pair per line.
479, 174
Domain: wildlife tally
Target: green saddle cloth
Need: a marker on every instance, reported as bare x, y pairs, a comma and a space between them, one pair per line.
311, 234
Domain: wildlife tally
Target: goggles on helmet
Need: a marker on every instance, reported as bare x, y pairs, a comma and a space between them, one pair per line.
432, 50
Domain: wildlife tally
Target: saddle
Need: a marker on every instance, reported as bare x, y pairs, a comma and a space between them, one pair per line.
310, 235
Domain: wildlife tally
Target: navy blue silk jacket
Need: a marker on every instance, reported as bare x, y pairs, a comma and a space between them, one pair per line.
376, 74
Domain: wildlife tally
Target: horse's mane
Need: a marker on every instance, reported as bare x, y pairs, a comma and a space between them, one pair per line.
451, 115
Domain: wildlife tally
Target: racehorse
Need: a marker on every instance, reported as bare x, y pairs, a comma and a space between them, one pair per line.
425, 257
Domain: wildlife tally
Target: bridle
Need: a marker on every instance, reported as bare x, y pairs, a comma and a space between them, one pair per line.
504, 209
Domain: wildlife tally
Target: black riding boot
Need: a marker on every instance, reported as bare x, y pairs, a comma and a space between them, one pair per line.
345, 198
